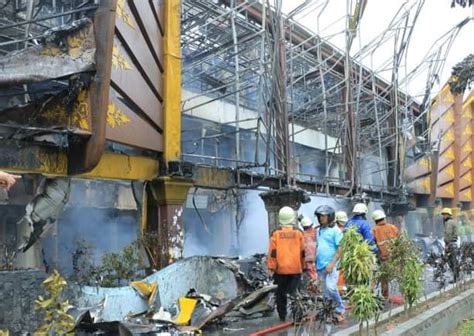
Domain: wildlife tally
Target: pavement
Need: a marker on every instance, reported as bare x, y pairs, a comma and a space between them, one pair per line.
247, 327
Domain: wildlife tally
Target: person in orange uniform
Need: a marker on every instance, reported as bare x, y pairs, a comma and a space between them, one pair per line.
309, 248
341, 220
383, 234
286, 258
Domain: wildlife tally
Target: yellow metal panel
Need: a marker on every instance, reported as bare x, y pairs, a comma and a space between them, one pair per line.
111, 167
123, 167
172, 81
186, 309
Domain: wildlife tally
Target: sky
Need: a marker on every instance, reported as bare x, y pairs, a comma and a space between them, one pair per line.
435, 19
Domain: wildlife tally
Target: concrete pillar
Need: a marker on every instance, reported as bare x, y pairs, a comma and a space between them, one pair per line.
170, 195
276, 199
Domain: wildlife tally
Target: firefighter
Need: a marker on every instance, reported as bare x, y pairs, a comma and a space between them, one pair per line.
450, 241
359, 219
327, 258
383, 234
341, 220
309, 248
286, 258
7, 180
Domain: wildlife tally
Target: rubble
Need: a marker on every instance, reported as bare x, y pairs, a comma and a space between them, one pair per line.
183, 298
43, 211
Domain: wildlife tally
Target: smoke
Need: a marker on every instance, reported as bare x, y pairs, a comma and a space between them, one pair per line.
221, 237
91, 215
254, 231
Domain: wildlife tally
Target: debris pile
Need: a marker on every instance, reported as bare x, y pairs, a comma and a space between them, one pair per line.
192, 294
461, 258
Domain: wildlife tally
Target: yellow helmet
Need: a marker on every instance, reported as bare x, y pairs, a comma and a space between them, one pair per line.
447, 211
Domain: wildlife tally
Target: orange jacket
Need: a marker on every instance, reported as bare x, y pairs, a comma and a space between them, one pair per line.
383, 233
286, 251
310, 245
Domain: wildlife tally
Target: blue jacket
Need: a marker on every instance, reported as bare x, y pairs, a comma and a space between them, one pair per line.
363, 228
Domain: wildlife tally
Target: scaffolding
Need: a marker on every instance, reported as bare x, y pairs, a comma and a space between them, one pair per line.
251, 56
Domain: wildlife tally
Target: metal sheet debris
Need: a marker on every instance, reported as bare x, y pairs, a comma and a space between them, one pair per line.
195, 293
44, 209
204, 274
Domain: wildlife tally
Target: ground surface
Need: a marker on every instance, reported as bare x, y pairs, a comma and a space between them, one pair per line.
246, 327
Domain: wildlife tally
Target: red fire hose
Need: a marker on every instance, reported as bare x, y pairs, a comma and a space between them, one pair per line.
274, 328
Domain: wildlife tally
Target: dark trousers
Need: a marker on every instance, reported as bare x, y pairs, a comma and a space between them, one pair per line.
452, 255
287, 285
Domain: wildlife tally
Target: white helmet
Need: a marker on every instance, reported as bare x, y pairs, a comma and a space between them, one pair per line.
306, 222
360, 208
286, 216
341, 217
378, 215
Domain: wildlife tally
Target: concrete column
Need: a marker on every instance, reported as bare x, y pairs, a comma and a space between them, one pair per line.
276, 199
170, 195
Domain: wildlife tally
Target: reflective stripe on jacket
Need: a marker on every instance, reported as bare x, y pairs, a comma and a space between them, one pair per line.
286, 251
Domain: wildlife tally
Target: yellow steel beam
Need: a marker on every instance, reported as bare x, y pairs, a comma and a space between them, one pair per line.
52, 161
123, 167
172, 81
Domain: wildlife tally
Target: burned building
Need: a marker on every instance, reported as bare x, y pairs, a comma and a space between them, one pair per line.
171, 118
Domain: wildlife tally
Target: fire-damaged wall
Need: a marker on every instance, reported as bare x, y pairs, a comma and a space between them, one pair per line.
18, 292
102, 214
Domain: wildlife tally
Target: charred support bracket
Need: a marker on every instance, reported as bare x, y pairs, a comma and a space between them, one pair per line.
276, 199
169, 195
